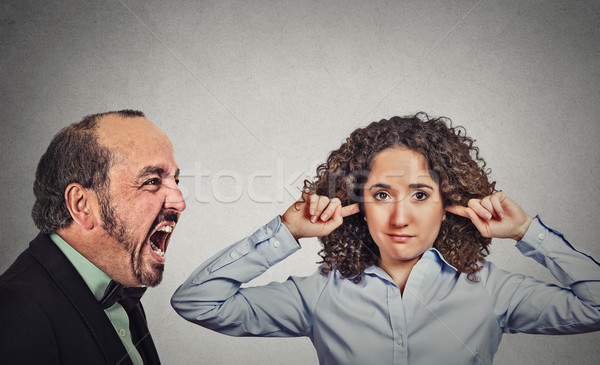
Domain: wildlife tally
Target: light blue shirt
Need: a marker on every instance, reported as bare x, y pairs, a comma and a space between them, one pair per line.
441, 318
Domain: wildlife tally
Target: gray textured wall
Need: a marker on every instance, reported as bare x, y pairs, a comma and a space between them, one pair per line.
265, 87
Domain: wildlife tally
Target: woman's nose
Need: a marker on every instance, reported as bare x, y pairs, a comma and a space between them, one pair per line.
400, 216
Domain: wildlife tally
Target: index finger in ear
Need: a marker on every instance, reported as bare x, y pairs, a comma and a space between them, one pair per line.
350, 210
458, 210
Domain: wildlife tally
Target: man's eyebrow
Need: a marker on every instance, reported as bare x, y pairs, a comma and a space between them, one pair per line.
151, 170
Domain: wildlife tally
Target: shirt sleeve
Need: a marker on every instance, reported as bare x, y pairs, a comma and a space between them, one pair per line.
211, 297
524, 304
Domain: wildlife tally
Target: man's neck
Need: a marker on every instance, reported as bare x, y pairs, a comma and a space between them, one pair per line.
96, 247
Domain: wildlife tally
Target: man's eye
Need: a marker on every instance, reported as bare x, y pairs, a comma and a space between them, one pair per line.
154, 181
381, 195
419, 195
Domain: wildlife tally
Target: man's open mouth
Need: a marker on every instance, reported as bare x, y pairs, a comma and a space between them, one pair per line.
160, 239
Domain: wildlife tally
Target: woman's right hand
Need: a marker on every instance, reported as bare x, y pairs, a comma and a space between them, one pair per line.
316, 215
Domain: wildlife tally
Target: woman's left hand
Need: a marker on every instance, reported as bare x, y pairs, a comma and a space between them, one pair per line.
496, 215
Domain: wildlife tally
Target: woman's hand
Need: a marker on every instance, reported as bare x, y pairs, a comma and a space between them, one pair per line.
316, 216
496, 215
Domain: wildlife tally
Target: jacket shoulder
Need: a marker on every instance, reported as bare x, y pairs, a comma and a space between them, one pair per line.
26, 273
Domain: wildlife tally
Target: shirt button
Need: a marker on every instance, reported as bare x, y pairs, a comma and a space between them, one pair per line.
276, 244
269, 231
399, 342
541, 236
233, 255
122, 332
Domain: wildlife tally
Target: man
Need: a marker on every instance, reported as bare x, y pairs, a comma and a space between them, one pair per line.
107, 201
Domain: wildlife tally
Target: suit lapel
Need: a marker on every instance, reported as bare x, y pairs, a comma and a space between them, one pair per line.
84, 303
142, 339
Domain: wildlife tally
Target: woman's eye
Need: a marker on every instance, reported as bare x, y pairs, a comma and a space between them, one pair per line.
419, 195
382, 195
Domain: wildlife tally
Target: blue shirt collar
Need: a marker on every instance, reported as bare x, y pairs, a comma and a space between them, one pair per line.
431, 254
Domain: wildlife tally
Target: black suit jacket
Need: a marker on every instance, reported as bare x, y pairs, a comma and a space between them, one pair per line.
48, 315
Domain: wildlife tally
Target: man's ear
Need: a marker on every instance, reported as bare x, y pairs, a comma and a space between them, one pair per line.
80, 202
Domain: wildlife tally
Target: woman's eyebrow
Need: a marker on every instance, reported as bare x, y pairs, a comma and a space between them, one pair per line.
385, 186
421, 186
412, 186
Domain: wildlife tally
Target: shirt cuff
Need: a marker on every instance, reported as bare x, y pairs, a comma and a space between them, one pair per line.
539, 240
275, 241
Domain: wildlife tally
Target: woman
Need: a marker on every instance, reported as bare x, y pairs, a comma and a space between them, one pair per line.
405, 212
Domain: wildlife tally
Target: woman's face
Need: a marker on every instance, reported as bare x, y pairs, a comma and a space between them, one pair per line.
402, 205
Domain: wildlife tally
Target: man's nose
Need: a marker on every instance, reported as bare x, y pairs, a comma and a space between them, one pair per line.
174, 199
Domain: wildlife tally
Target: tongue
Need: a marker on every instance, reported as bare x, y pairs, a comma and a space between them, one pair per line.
156, 256
158, 239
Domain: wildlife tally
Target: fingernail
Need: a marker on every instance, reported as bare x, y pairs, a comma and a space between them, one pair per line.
313, 218
324, 217
488, 216
501, 215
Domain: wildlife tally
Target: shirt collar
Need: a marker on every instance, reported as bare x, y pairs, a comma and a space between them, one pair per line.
434, 255
95, 278
431, 254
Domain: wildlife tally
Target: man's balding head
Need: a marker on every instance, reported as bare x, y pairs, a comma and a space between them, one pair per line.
75, 154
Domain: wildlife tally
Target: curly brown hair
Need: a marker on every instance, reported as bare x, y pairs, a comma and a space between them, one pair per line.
453, 162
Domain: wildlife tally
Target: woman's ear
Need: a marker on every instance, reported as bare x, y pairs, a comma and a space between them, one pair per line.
80, 202
361, 209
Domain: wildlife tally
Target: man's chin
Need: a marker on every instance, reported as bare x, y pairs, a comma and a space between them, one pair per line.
150, 266
151, 277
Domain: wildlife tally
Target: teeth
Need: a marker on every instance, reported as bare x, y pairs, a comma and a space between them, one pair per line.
167, 229
156, 249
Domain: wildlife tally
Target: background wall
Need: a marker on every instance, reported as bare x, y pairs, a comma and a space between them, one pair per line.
254, 93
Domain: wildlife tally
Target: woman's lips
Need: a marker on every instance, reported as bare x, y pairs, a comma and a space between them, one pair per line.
400, 238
